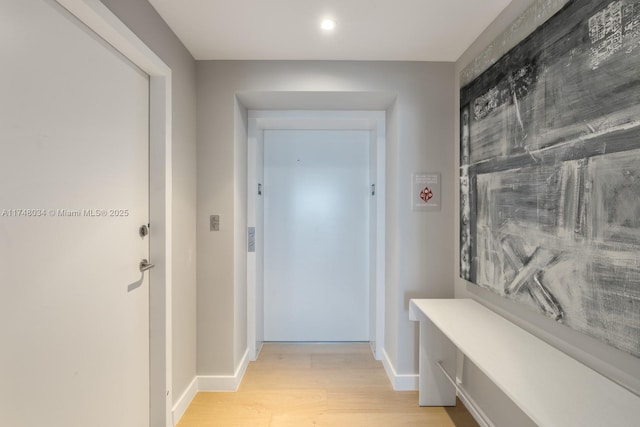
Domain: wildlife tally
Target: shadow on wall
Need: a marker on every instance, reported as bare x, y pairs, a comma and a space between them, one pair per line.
460, 416
408, 296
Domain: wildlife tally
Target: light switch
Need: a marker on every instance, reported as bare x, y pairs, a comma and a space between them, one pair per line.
214, 223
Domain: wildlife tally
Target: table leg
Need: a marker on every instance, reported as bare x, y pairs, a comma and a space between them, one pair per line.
434, 387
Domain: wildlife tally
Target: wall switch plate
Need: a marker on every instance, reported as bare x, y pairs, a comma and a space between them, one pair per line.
251, 239
214, 223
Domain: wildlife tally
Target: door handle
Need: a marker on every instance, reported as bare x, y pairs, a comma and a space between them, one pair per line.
145, 265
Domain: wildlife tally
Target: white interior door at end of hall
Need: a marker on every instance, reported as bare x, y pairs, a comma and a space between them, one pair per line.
316, 222
74, 307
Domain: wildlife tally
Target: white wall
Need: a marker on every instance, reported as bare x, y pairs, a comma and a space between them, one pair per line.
515, 23
419, 138
145, 22
391, 297
240, 248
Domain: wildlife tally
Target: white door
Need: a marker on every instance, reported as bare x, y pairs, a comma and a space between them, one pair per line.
316, 235
74, 307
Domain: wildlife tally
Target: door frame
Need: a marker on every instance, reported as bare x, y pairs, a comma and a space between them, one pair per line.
258, 122
98, 18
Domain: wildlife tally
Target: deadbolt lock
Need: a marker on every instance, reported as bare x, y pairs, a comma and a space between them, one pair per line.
144, 230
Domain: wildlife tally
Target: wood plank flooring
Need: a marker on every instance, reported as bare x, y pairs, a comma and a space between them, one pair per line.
300, 384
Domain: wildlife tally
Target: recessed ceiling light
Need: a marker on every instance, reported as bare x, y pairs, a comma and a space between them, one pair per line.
328, 24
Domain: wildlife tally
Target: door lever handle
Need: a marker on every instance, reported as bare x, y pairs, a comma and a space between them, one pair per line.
145, 265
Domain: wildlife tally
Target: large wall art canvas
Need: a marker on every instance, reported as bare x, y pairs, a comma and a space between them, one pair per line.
550, 172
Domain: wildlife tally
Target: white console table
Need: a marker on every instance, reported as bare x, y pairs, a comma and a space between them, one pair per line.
552, 388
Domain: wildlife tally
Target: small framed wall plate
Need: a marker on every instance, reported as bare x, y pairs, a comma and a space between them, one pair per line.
425, 192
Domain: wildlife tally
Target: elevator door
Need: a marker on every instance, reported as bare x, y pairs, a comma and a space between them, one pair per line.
316, 235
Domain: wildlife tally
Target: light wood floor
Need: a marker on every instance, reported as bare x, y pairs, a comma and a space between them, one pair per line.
318, 385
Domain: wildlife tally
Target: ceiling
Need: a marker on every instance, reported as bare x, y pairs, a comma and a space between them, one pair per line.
385, 30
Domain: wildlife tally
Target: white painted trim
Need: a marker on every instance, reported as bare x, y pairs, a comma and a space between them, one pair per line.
471, 405
225, 382
184, 401
474, 408
97, 17
213, 383
109, 27
381, 231
258, 350
399, 382
218, 383
374, 120
253, 341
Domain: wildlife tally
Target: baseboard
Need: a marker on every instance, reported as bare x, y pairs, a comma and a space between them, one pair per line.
225, 382
399, 382
473, 408
185, 400
209, 383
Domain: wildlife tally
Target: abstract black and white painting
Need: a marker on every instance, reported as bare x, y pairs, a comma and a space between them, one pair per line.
550, 172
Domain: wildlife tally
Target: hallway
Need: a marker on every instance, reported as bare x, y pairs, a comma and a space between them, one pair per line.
318, 385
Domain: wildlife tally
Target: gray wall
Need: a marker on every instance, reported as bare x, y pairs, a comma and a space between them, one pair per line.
422, 135
518, 20
145, 22
419, 138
